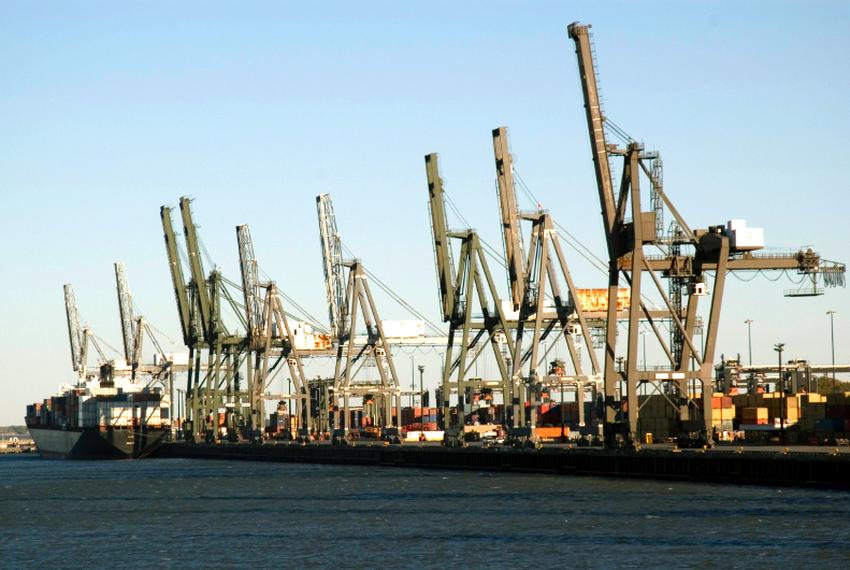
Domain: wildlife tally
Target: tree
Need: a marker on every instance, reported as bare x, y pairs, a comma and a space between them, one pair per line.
825, 385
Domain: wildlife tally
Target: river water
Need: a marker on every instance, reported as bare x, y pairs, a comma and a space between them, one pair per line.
178, 513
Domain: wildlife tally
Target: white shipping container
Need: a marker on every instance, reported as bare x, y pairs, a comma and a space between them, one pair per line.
305, 339
176, 358
429, 435
742, 238
508, 311
404, 329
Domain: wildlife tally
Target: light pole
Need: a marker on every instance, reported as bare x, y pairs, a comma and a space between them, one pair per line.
180, 402
831, 314
412, 380
620, 384
749, 323
421, 399
778, 348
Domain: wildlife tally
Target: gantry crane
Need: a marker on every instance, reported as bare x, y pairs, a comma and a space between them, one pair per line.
462, 289
689, 256
270, 340
199, 304
79, 336
535, 283
351, 356
133, 330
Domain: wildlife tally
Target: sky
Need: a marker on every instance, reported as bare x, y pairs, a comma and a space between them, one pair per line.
110, 110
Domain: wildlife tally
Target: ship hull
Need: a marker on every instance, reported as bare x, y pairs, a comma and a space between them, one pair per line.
93, 443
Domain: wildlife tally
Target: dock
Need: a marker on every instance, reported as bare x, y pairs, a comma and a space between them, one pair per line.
806, 467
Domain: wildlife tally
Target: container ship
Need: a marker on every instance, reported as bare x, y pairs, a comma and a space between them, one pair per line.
100, 418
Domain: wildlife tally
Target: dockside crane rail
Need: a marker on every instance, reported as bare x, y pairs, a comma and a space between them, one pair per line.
719, 249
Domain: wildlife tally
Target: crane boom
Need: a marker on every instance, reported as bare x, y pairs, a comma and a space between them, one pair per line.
197, 269
510, 215
250, 281
440, 229
76, 333
125, 310
595, 122
176, 269
333, 265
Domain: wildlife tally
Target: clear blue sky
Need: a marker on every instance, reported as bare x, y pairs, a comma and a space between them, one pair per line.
110, 110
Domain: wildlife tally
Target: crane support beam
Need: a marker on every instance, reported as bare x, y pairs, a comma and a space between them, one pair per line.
125, 310
511, 229
198, 278
332, 264
76, 334
440, 230
595, 121
250, 282
798, 261
177, 280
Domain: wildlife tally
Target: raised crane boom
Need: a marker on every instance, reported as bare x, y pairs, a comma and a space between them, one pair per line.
719, 249
595, 121
197, 269
76, 333
332, 264
125, 310
510, 215
177, 279
250, 282
440, 230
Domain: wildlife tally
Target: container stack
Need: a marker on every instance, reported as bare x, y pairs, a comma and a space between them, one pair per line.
416, 419
754, 415
658, 417
550, 414
722, 413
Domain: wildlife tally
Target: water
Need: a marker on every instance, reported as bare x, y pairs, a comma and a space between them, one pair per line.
176, 513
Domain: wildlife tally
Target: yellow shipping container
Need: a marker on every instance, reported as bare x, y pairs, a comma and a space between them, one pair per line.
811, 399
755, 413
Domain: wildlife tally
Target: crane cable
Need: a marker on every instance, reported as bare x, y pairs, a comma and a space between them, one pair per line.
599, 264
397, 298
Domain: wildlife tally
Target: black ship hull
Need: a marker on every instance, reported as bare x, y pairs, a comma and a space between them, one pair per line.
94, 443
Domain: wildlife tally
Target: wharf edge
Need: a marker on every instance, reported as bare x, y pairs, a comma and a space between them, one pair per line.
815, 470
